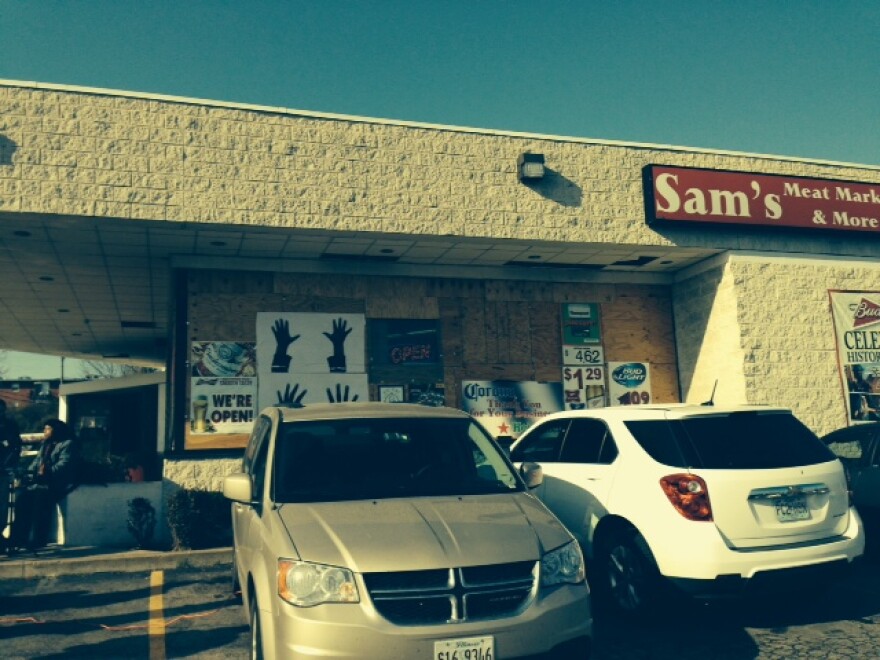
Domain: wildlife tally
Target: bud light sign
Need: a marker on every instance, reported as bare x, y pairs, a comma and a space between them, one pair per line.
631, 374
629, 383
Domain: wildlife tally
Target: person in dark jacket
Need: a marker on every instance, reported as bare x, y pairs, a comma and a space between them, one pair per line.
10, 452
52, 476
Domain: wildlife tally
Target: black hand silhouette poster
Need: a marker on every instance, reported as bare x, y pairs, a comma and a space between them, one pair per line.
305, 358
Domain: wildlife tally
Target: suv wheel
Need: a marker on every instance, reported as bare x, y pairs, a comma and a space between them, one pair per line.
629, 580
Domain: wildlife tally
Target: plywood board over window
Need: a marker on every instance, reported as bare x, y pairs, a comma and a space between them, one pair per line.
488, 329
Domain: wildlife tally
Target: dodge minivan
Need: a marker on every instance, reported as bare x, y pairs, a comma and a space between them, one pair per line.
378, 530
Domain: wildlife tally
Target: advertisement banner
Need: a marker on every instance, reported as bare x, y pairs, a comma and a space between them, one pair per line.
306, 343
307, 358
223, 358
629, 383
508, 408
856, 317
222, 405
223, 394
681, 194
303, 389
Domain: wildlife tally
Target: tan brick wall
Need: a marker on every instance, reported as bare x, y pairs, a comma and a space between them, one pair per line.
197, 474
787, 332
115, 155
762, 327
710, 357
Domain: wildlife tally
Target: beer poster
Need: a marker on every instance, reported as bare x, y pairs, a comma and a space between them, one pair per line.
508, 408
856, 318
223, 394
629, 383
222, 405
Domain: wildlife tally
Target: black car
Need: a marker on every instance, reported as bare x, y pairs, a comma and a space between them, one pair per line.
858, 448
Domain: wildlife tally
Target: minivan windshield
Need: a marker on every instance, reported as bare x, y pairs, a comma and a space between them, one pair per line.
376, 458
738, 440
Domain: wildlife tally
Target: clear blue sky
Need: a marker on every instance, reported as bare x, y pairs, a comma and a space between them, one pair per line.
795, 77
788, 77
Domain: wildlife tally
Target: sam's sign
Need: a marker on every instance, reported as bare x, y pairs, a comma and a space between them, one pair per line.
680, 194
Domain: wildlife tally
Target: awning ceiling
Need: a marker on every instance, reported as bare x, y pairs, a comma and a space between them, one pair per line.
101, 288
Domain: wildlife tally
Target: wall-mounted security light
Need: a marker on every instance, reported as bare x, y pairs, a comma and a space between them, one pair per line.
530, 166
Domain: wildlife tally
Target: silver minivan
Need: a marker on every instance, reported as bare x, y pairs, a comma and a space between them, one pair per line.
374, 530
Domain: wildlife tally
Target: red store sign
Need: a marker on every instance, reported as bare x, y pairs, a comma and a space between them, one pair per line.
680, 194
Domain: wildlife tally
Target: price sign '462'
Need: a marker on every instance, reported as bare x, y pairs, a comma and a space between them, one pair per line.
578, 355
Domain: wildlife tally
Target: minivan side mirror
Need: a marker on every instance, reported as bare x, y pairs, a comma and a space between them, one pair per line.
532, 474
237, 487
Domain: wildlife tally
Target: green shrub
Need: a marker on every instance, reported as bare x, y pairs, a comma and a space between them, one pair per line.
141, 521
199, 519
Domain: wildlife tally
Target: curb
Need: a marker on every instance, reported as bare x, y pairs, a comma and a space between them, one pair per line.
124, 562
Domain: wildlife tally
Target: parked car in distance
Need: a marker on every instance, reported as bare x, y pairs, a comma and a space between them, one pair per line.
704, 498
378, 530
858, 448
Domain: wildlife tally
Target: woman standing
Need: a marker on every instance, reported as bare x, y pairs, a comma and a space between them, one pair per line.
52, 476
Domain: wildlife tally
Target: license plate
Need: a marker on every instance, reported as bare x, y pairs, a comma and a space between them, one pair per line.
465, 648
789, 509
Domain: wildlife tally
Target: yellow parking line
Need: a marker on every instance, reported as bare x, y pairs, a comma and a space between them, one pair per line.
157, 617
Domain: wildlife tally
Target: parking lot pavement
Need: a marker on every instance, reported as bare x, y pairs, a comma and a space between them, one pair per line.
841, 621
55, 561
201, 620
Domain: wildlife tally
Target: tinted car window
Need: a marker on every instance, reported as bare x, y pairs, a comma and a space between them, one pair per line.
257, 435
742, 440
850, 444
588, 441
543, 444
659, 440
258, 468
354, 459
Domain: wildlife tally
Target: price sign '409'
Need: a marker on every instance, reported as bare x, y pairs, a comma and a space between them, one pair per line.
634, 398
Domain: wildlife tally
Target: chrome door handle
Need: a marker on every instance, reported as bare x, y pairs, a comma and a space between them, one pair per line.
779, 492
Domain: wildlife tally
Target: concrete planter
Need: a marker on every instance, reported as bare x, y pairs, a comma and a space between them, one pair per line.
98, 515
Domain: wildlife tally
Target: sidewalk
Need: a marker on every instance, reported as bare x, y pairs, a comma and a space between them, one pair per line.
55, 560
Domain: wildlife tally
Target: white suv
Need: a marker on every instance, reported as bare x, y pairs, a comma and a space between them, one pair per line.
708, 499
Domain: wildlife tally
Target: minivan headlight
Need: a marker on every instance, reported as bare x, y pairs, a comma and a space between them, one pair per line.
305, 584
564, 565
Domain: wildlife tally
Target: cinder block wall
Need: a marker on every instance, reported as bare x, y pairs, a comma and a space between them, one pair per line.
787, 332
82, 152
710, 354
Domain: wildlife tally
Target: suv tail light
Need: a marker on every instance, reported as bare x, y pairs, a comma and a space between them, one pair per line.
689, 495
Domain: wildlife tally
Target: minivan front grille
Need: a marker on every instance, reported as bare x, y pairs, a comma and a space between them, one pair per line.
453, 595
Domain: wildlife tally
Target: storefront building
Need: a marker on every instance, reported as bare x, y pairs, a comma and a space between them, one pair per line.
326, 258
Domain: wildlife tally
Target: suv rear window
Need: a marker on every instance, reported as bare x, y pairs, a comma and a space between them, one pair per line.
739, 441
